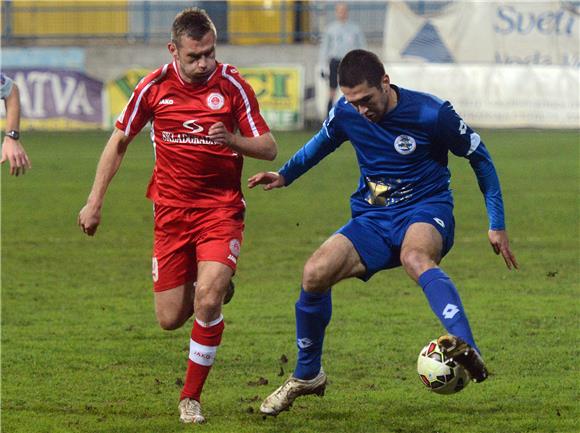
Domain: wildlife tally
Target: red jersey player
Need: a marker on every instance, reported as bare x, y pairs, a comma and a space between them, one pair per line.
195, 105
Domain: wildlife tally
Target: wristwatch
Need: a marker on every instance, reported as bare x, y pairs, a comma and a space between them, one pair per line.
15, 135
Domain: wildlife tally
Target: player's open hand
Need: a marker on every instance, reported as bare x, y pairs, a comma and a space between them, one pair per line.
220, 135
13, 151
500, 243
89, 219
269, 179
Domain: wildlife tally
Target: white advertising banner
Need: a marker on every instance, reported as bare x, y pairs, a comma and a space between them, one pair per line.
502, 64
504, 96
508, 32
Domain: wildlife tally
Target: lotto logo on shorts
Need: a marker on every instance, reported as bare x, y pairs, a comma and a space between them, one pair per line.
439, 221
155, 269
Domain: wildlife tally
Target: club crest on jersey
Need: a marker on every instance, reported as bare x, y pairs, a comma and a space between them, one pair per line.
405, 144
215, 101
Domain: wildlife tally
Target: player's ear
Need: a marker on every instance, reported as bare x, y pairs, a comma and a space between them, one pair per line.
172, 47
386, 83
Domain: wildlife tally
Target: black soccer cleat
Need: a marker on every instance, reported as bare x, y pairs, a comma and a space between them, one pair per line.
230, 293
465, 355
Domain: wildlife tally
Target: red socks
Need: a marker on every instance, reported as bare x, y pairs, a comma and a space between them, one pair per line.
205, 339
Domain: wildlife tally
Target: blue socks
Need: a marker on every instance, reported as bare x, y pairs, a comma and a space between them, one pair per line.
313, 312
446, 304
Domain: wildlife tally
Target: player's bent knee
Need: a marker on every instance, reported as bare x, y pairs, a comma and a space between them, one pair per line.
170, 322
408, 257
416, 262
315, 277
208, 303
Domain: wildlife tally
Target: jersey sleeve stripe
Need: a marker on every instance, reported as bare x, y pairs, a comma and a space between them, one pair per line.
475, 140
143, 91
177, 73
245, 98
121, 117
327, 122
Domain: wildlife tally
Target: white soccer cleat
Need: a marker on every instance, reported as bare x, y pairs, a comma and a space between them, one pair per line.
190, 411
281, 399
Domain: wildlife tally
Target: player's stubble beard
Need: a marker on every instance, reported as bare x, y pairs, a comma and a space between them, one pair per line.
390, 102
387, 101
386, 98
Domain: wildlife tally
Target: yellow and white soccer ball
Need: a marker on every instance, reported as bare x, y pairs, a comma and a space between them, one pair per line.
440, 374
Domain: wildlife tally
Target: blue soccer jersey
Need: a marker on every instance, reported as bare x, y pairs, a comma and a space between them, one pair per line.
403, 157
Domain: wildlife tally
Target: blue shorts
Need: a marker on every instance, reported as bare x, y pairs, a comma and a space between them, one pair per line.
377, 235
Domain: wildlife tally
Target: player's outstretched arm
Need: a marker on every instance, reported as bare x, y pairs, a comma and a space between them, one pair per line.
303, 160
500, 243
90, 215
269, 179
261, 147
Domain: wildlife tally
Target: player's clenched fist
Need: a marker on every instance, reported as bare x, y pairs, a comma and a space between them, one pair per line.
220, 135
89, 219
269, 179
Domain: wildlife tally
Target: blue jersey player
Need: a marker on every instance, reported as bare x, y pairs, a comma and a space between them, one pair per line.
402, 211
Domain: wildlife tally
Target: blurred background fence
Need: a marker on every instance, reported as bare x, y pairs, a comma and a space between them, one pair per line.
59, 22
502, 63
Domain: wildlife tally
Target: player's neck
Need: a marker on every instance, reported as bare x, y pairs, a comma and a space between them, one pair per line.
392, 99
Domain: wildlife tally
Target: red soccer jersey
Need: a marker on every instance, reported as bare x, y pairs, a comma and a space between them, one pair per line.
190, 169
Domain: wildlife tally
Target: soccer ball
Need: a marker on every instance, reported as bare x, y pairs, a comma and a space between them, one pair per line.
438, 373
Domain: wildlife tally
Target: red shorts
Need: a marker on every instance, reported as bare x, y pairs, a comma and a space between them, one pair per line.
186, 236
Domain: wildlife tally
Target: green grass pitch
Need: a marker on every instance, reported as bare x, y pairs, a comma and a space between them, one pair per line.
82, 352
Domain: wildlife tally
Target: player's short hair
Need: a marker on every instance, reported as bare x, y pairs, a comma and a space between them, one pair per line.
193, 23
359, 66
